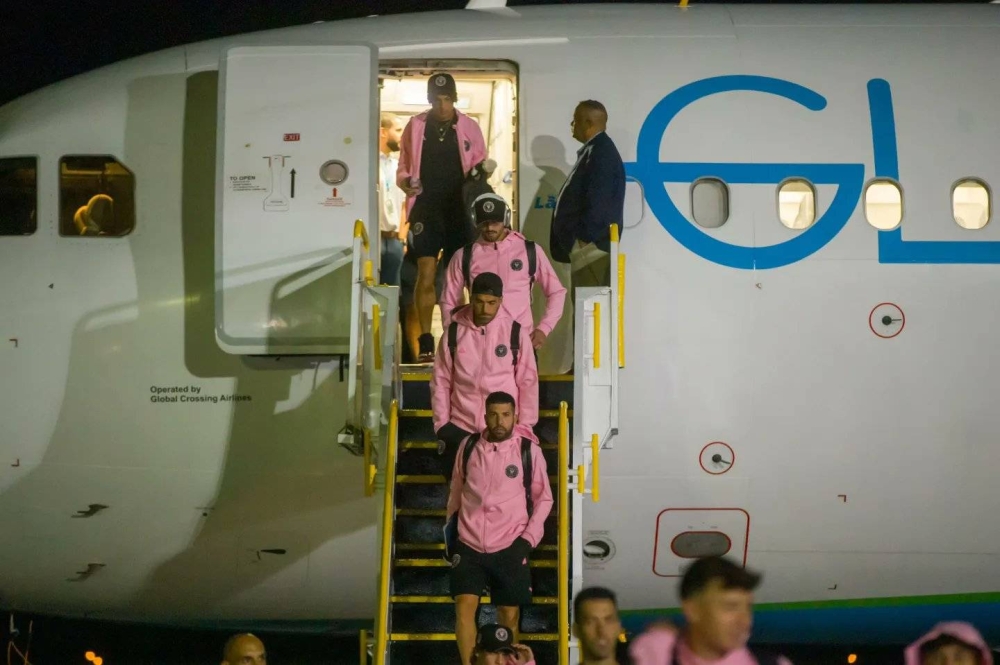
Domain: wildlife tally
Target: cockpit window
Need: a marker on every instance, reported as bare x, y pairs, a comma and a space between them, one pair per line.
18, 196
96, 197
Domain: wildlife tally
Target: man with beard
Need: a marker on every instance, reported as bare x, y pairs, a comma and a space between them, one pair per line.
391, 216
501, 495
518, 261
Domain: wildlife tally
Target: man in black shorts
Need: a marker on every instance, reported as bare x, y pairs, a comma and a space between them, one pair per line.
439, 148
501, 506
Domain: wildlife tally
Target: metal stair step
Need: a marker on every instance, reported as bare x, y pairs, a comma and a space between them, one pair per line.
440, 618
436, 581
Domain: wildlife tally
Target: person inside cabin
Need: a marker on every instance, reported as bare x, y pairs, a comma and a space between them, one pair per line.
590, 201
717, 601
440, 147
518, 261
949, 643
482, 350
500, 498
244, 649
597, 626
392, 216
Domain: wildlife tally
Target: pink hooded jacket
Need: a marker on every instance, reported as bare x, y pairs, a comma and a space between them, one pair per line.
485, 365
656, 647
959, 630
490, 502
472, 148
508, 259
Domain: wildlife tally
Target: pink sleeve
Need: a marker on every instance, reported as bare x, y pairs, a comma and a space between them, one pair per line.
403, 168
441, 385
457, 483
555, 293
783, 661
452, 291
526, 377
541, 495
654, 647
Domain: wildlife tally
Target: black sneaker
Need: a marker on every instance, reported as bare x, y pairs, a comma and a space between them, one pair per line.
426, 342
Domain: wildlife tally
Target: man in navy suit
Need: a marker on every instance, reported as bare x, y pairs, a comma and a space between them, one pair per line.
590, 201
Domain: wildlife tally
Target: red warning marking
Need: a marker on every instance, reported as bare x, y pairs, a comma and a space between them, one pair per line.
292, 137
902, 319
334, 192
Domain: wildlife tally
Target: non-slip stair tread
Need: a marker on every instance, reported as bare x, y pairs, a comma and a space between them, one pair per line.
436, 582
440, 618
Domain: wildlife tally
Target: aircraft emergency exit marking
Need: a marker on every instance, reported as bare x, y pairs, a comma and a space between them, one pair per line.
849, 178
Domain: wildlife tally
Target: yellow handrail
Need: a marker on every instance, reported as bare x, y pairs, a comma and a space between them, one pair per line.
595, 481
382, 634
581, 478
563, 532
621, 310
597, 335
361, 232
377, 336
369, 273
364, 647
370, 469
614, 233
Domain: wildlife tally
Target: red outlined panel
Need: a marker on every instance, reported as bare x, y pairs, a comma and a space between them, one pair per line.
886, 320
733, 523
705, 458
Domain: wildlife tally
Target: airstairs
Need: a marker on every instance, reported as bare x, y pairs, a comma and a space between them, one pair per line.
390, 407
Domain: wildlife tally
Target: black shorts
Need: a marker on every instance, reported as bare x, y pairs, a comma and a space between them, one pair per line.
439, 223
506, 573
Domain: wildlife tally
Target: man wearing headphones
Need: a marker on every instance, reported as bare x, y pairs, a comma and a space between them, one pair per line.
519, 263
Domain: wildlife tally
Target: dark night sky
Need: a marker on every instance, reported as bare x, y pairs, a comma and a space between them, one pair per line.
44, 41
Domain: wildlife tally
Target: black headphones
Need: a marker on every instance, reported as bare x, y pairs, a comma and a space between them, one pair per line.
490, 197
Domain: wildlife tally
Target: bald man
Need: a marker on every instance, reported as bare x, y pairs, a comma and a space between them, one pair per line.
591, 200
244, 649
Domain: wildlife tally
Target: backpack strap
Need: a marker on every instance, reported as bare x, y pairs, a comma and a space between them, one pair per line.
452, 339
467, 265
532, 251
526, 473
470, 445
515, 341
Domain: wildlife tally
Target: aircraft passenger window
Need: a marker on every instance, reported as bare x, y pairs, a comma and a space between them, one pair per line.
883, 204
96, 197
797, 204
970, 204
18, 196
710, 202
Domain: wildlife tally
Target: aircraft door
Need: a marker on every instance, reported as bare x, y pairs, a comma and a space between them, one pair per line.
297, 143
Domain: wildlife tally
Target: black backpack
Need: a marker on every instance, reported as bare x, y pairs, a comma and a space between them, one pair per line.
515, 341
526, 467
529, 246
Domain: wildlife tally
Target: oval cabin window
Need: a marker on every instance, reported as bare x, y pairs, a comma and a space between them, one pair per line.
883, 204
697, 544
710, 202
797, 204
970, 204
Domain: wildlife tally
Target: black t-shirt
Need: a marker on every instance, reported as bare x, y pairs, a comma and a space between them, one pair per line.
441, 171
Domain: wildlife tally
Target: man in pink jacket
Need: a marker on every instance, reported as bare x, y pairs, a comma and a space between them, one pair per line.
717, 600
501, 507
439, 148
482, 350
949, 643
519, 262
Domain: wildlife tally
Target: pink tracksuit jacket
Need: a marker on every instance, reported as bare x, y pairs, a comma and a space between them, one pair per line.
490, 502
961, 631
485, 365
656, 647
508, 259
471, 146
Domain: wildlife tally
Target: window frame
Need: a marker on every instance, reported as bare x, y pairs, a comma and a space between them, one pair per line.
989, 200
59, 175
777, 201
727, 200
902, 200
38, 161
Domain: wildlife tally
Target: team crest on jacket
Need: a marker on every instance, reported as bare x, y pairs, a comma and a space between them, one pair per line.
516, 264
511, 471
501, 350
418, 228
468, 146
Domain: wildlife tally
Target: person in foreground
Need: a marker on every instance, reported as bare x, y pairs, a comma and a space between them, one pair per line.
949, 643
717, 601
495, 646
597, 625
244, 649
